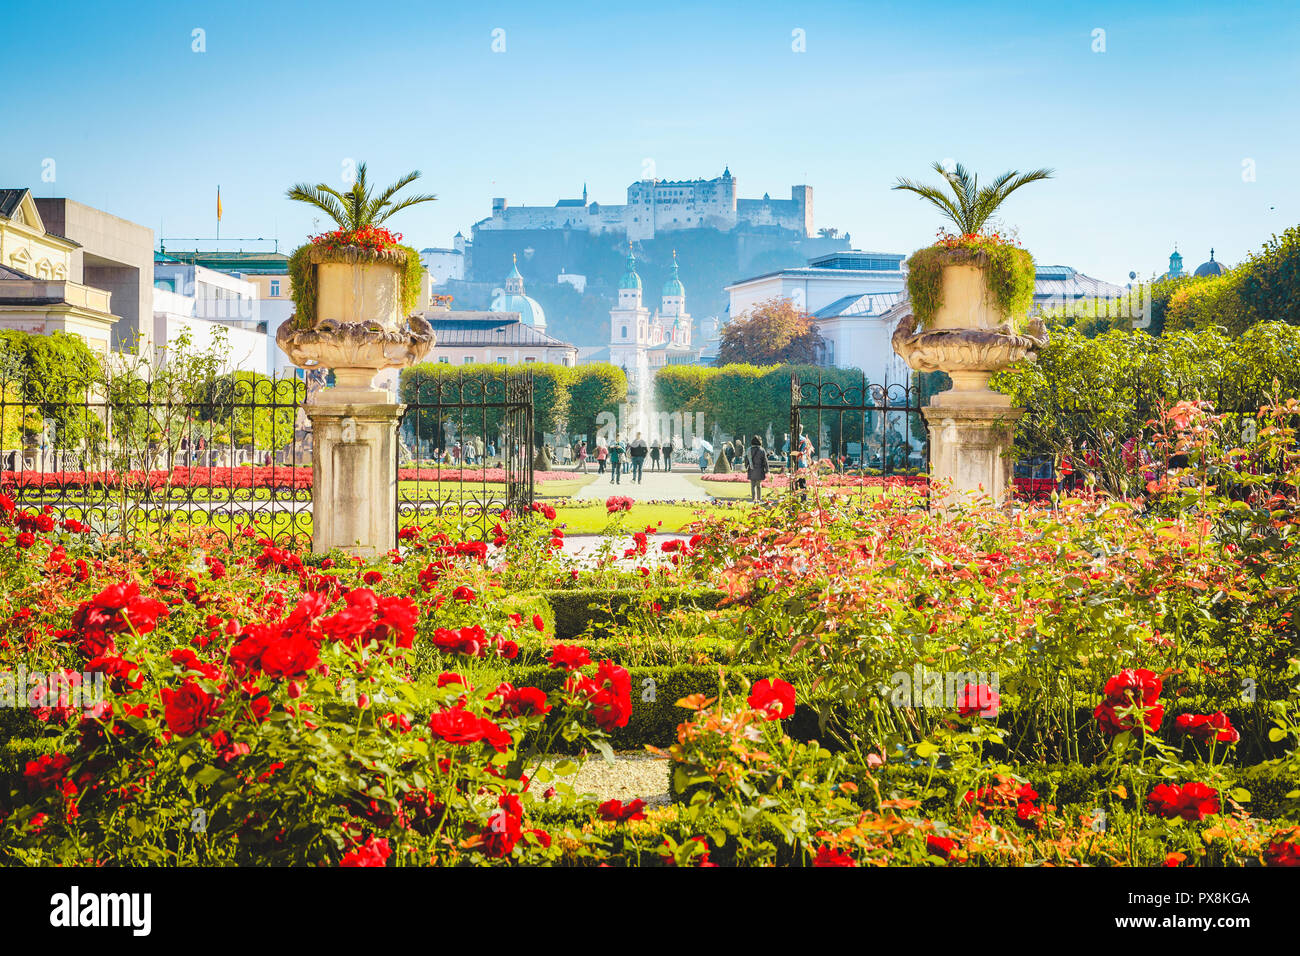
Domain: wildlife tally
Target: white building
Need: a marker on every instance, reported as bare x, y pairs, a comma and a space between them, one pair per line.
443, 263
579, 282
210, 309
856, 299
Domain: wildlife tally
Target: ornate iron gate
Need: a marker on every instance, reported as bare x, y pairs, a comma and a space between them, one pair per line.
128, 455
465, 450
856, 428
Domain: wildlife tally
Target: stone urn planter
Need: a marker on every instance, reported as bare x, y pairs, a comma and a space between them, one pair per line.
970, 335
357, 329
354, 327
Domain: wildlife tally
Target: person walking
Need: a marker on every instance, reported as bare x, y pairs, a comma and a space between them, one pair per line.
668, 455
704, 459
654, 455
637, 450
582, 457
756, 468
616, 461
601, 454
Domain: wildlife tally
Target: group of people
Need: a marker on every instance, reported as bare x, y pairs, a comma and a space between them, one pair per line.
471, 452
620, 458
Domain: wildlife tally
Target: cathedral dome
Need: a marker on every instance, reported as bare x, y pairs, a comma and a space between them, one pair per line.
1210, 268
512, 299
529, 309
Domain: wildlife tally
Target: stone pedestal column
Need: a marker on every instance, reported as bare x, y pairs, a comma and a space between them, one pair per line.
969, 446
354, 476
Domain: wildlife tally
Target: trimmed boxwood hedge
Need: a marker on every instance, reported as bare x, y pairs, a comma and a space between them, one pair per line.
602, 609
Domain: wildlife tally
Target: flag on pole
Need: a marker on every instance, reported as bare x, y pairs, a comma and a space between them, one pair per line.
218, 204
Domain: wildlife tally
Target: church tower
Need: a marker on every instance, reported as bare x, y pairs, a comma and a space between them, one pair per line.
672, 310
629, 323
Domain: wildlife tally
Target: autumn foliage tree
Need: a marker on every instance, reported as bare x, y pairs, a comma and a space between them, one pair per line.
774, 332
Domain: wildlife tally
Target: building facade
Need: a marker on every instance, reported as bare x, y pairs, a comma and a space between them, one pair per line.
856, 299
41, 287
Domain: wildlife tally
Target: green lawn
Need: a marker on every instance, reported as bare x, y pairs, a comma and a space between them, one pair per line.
721, 489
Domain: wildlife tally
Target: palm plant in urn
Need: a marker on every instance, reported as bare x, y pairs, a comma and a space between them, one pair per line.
355, 289
971, 290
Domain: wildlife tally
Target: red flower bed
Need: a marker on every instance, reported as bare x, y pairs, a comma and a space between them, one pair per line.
235, 476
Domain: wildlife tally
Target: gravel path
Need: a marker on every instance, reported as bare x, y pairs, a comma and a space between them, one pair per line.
632, 776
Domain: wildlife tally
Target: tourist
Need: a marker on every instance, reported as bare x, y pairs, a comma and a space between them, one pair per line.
756, 468
637, 451
803, 459
704, 458
491, 449
616, 461
601, 454
668, 455
582, 457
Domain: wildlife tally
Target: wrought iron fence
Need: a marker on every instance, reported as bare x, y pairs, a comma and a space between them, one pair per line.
858, 433
128, 454
465, 449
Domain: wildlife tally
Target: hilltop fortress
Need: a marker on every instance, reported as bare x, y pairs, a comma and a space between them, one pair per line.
656, 206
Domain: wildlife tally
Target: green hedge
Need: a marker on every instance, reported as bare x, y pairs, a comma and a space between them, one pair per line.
604, 609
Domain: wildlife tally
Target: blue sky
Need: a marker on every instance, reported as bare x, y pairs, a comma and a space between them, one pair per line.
1148, 138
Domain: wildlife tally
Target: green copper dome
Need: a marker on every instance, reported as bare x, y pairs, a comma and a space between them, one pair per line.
674, 285
631, 280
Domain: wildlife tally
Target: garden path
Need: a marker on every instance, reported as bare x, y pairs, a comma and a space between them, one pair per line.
654, 486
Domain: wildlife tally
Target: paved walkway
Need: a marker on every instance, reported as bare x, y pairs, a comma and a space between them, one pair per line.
654, 486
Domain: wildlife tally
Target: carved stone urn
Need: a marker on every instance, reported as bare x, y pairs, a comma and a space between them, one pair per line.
971, 426
358, 332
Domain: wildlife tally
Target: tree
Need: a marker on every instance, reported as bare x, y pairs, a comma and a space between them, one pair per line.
773, 332
971, 207
593, 389
1271, 287
358, 207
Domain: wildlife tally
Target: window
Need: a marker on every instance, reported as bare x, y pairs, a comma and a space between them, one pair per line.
625, 331
501, 360
469, 360
529, 358
275, 287
444, 360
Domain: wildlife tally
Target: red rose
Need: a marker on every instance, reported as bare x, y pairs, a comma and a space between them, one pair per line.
520, 701
505, 827
1126, 690
374, 852
569, 656
292, 656
940, 846
609, 693
978, 699
187, 710
613, 811
1192, 801
1282, 853
827, 856
538, 622
1206, 727
774, 697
